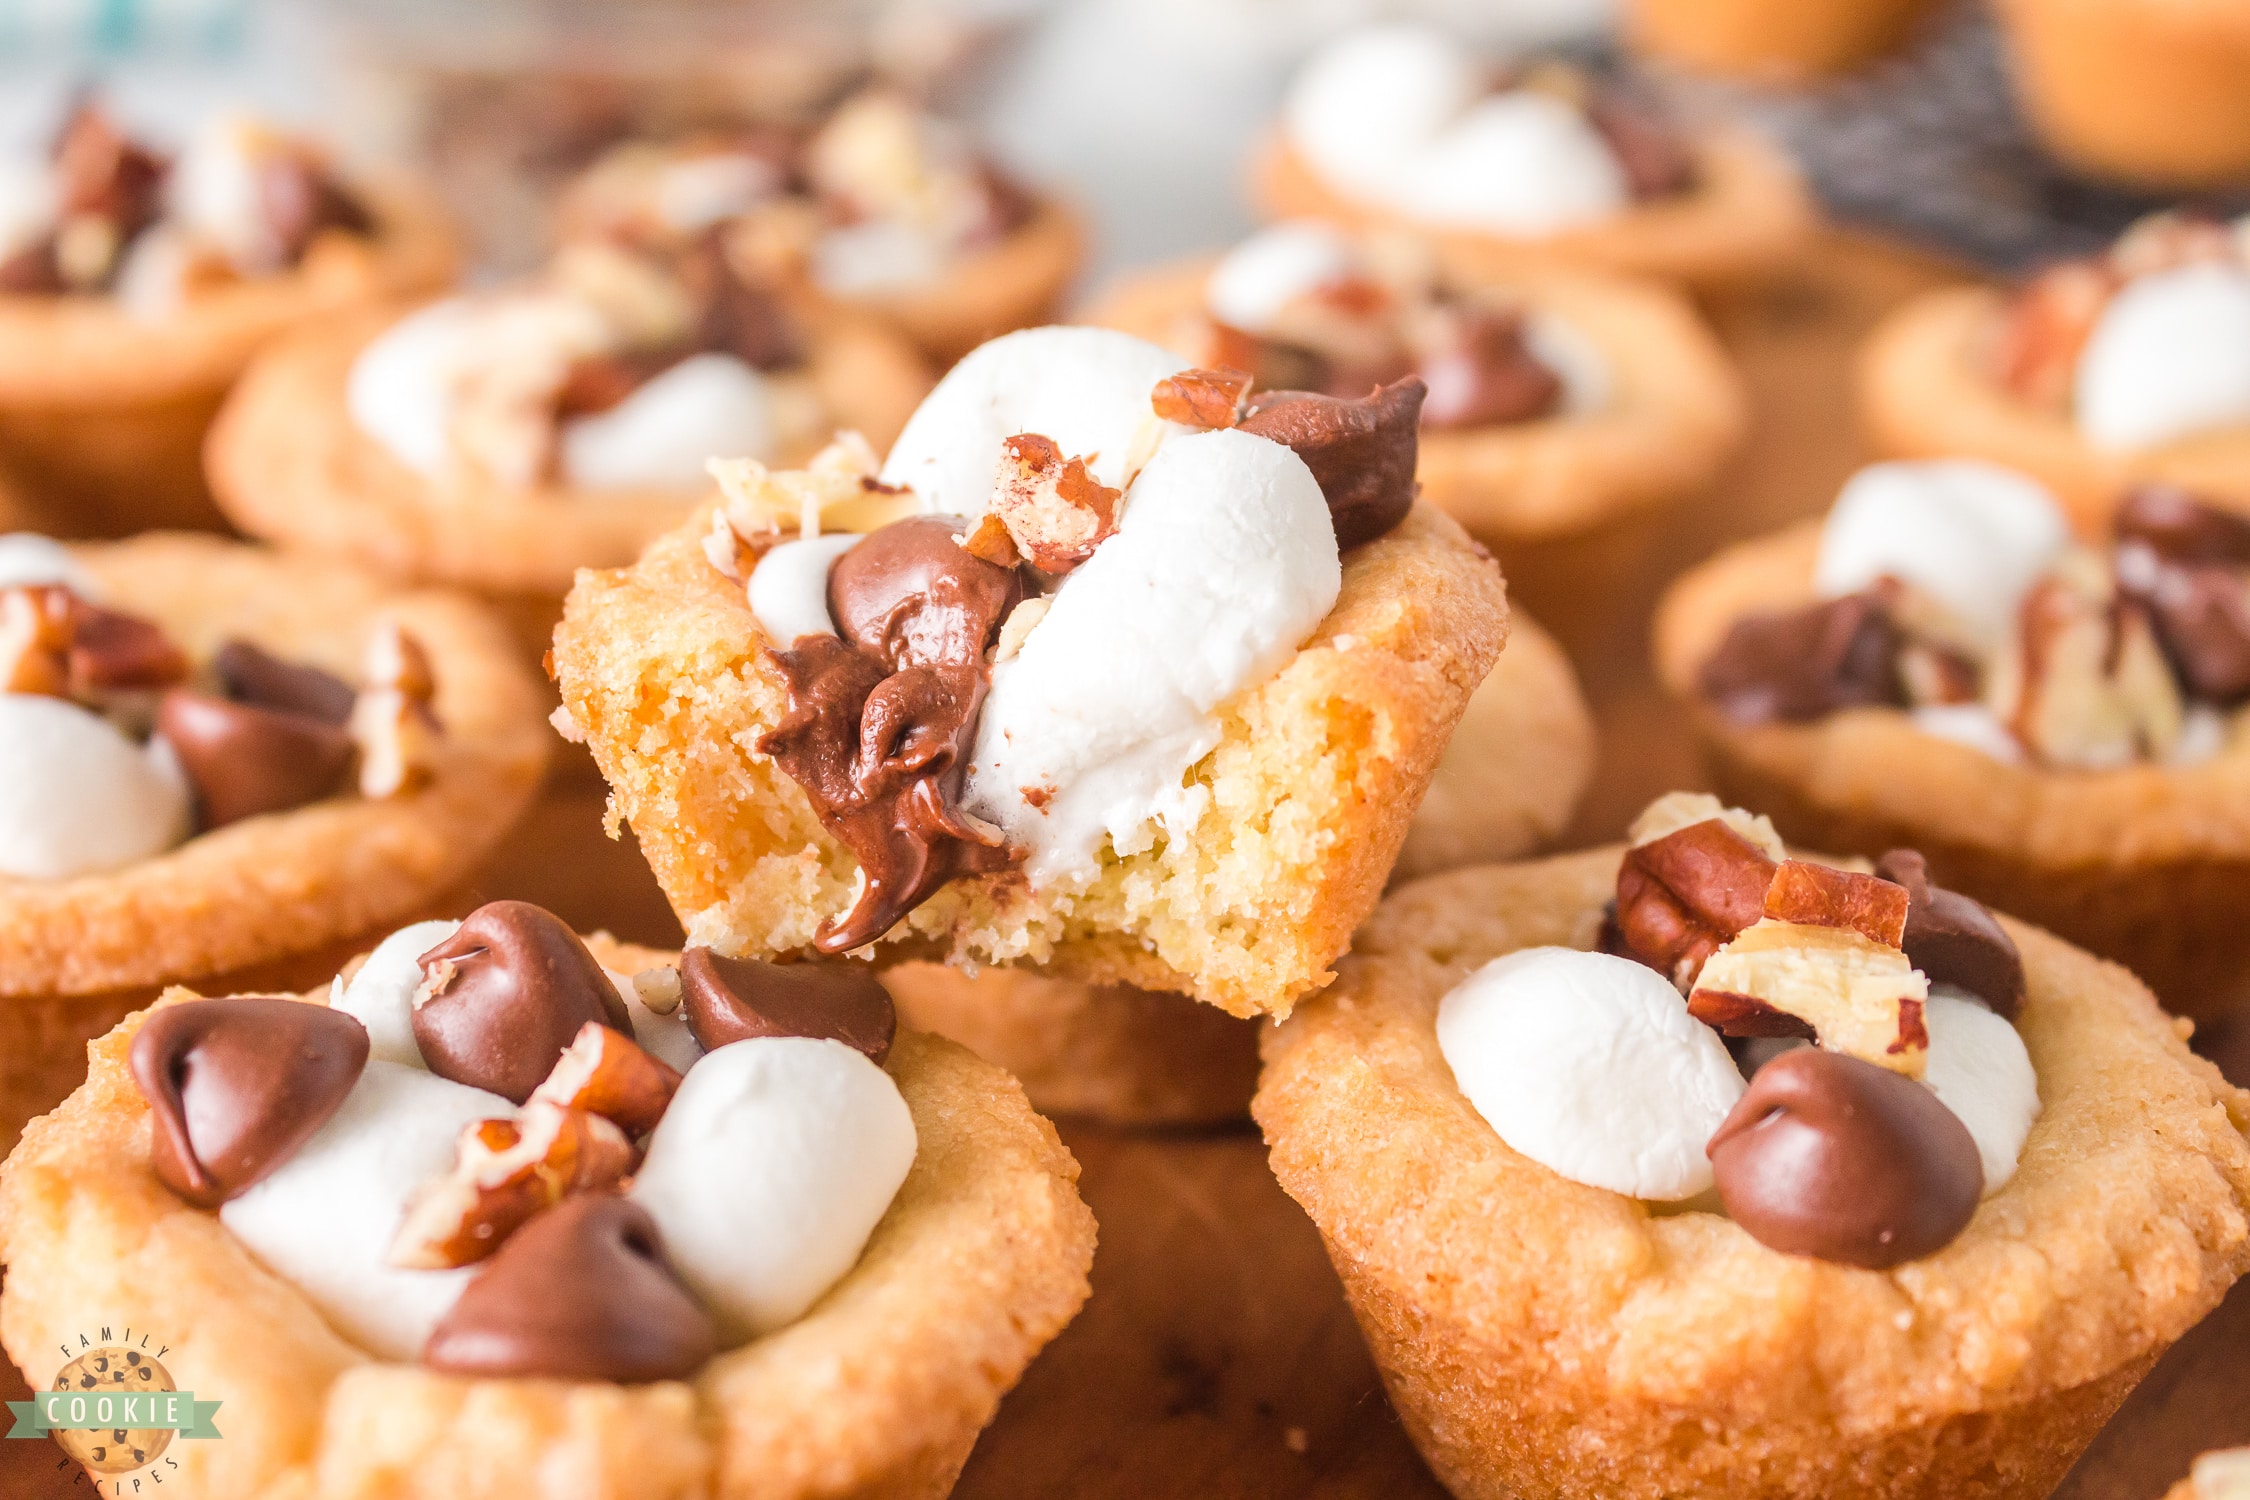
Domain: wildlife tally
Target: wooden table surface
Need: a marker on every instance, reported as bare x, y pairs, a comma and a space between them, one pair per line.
1217, 1357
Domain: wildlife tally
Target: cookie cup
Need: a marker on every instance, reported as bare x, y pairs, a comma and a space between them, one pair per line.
103, 414
879, 1390
1747, 217
271, 901
288, 464
1567, 502
2146, 864
1770, 40
1924, 393
1018, 281
1538, 1336
666, 673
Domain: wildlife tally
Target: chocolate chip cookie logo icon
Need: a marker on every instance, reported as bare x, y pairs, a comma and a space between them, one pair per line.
114, 1407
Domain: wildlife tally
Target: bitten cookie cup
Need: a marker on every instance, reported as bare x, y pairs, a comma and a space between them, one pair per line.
1541, 1336
879, 1390
103, 412
265, 900
289, 464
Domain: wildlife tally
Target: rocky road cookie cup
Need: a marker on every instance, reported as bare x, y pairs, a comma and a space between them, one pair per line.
2095, 376
2090, 773
106, 903
613, 1342
1770, 40
1569, 408
1198, 752
1398, 127
113, 364
1507, 784
1539, 1335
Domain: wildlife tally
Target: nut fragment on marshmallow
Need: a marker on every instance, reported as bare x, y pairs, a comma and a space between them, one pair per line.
504, 1171
837, 490
392, 721
2087, 684
1055, 510
606, 1073
1853, 994
1202, 398
658, 988
35, 640
990, 542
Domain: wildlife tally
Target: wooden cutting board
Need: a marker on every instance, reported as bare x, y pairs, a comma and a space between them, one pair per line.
1217, 1358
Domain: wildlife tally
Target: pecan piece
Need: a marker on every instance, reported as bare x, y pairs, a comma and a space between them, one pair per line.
1202, 398
1056, 511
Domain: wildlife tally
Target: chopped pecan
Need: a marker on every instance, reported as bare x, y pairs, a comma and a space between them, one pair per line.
35, 632
392, 721
1806, 663
1202, 398
1821, 896
1056, 511
2088, 684
606, 1072
1859, 996
504, 1172
2045, 328
989, 540
1683, 896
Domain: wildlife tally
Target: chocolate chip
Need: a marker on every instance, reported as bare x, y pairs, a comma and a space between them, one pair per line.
1483, 374
249, 674
911, 596
1953, 939
235, 1086
1835, 1158
103, 174
2181, 528
739, 317
1682, 897
596, 383
244, 760
732, 999
1806, 663
505, 996
1362, 452
582, 1292
111, 650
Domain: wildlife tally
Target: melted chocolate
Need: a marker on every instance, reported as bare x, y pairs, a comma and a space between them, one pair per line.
1806, 663
248, 674
1953, 939
509, 991
735, 999
910, 596
235, 1086
244, 760
110, 650
1362, 452
1486, 375
582, 1292
740, 317
2189, 565
1835, 1158
2182, 529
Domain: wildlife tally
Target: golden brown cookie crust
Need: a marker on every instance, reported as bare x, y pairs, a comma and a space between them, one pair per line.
266, 887
2147, 864
1543, 1337
880, 1390
1924, 393
1748, 217
288, 464
1017, 282
1317, 773
1771, 40
1676, 410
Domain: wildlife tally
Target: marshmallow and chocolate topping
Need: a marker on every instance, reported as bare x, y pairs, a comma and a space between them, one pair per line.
504, 996
1870, 1147
729, 999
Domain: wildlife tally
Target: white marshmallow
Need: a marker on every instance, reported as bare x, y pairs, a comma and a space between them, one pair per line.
400, 392
1370, 100
1972, 535
1086, 388
666, 431
698, 191
776, 1160
2204, 731
78, 797
26, 557
1577, 361
877, 255
665, 1038
381, 994
1224, 562
2169, 357
1255, 280
1979, 1069
324, 1220
1970, 724
1519, 163
788, 589
27, 202
215, 193
1591, 1066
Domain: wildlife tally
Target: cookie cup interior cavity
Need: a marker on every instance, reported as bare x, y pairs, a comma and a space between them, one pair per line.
2145, 864
1924, 393
1539, 1336
1017, 281
1747, 217
1313, 783
103, 413
255, 895
879, 1390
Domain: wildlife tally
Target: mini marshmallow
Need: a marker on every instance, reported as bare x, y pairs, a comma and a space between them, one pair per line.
2169, 357
664, 433
1979, 1069
1973, 535
324, 1219
1368, 101
26, 557
665, 1038
699, 191
77, 797
1519, 163
2204, 731
788, 589
400, 392
381, 994
215, 191
1255, 280
1591, 1066
1224, 563
1577, 361
1086, 388
877, 255
776, 1160
1970, 724
27, 202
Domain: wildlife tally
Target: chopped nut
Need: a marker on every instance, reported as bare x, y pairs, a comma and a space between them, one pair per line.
1017, 628
1820, 896
1677, 810
989, 540
1202, 398
2088, 684
396, 659
724, 548
111, 652
2036, 352
392, 721
1683, 896
1859, 996
658, 987
2169, 240
35, 641
607, 1073
636, 297
1934, 675
1056, 511
838, 492
505, 1171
